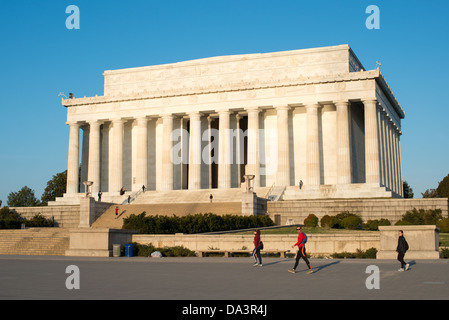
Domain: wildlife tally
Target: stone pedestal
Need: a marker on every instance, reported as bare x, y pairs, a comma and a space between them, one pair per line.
422, 241
87, 212
90, 210
93, 242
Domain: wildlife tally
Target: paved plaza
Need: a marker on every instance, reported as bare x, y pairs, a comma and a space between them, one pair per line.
138, 278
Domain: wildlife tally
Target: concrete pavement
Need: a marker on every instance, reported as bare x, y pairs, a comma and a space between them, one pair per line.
137, 278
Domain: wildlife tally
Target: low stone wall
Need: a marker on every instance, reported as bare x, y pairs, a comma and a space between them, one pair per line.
294, 212
317, 244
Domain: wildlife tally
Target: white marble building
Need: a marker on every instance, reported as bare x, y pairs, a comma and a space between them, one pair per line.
313, 115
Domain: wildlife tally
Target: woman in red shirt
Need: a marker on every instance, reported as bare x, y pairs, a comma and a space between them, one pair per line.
257, 247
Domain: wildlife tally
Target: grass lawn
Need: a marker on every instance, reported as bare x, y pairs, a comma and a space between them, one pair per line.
307, 230
444, 237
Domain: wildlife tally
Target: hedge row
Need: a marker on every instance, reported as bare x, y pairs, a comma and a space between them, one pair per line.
425, 217
145, 250
359, 254
190, 224
344, 220
349, 220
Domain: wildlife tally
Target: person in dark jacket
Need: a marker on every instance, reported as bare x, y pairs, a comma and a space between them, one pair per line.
401, 249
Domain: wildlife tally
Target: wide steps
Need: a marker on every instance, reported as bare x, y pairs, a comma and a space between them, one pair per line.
109, 220
34, 241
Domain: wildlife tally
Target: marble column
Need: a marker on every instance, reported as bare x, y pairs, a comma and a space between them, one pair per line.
84, 157
224, 150
116, 163
383, 148
209, 153
195, 151
392, 156
142, 153
253, 166
239, 150
398, 187
401, 191
386, 151
372, 169
313, 146
93, 171
343, 146
73, 159
283, 170
166, 182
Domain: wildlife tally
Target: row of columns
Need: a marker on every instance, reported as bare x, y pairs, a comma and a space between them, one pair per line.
376, 138
390, 153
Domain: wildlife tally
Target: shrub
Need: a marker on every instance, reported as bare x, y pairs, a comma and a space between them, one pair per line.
311, 221
421, 217
443, 187
445, 253
352, 222
10, 224
443, 224
39, 221
6, 214
371, 253
143, 250
12, 220
359, 254
373, 225
403, 223
198, 223
347, 220
328, 221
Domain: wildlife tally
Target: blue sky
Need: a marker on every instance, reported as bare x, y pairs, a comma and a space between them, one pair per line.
40, 58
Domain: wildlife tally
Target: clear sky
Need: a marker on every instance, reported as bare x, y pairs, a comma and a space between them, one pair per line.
40, 57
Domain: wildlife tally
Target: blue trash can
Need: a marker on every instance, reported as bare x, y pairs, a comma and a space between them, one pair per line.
129, 250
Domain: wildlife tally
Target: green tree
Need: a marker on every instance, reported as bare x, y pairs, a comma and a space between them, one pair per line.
23, 198
56, 187
408, 191
443, 188
430, 193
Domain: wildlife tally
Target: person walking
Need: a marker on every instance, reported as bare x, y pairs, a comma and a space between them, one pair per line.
116, 212
401, 249
257, 247
302, 239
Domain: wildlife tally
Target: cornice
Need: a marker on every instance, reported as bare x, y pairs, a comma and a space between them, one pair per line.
386, 88
228, 87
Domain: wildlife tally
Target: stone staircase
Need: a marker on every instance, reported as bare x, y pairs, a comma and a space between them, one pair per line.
361, 190
109, 220
35, 241
64, 216
194, 196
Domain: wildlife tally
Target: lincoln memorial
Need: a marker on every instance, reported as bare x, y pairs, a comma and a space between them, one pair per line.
307, 124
